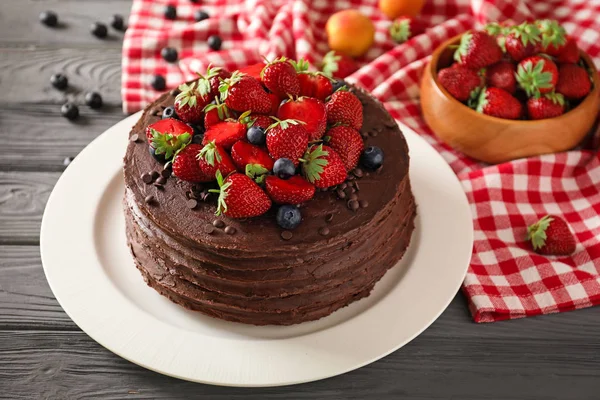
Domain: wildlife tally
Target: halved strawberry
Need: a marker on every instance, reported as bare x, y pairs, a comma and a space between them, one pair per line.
185, 164
213, 158
312, 84
215, 113
225, 133
248, 155
190, 102
308, 110
295, 190
240, 197
168, 135
323, 167
287, 139
253, 70
348, 143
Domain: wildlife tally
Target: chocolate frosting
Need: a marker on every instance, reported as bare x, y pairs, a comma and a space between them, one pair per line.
254, 276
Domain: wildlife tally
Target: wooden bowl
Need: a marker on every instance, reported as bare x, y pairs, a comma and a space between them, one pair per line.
495, 140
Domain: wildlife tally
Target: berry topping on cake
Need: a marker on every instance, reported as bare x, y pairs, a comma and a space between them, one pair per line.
214, 113
289, 217
295, 190
261, 121
372, 158
256, 135
168, 135
344, 108
312, 84
347, 143
280, 77
243, 93
323, 167
240, 197
185, 164
308, 110
215, 75
190, 102
253, 70
250, 159
225, 133
284, 168
213, 158
287, 139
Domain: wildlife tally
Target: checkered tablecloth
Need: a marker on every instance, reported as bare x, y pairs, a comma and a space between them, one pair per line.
506, 279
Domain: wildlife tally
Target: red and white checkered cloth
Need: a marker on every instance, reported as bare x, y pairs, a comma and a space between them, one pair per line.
506, 279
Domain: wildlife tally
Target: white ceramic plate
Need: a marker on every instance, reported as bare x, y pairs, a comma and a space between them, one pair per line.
91, 273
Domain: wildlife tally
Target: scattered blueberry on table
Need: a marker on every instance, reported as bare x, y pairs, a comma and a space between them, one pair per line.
288, 217
170, 12
117, 22
200, 15
59, 81
284, 168
93, 100
70, 111
169, 54
214, 42
49, 18
99, 30
158, 82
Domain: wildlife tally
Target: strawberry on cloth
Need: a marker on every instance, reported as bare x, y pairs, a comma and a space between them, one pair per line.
506, 278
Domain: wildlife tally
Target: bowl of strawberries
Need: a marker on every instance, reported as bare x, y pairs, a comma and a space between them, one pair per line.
511, 91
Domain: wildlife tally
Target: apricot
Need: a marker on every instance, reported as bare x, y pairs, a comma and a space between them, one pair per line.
350, 32
396, 8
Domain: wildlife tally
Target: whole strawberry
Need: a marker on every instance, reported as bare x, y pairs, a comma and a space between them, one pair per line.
498, 30
461, 82
240, 197
573, 82
537, 75
275, 101
185, 164
190, 102
245, 154
551, 236
244, 93
338, 66
215, 75
308, 110
253, 70
215, 113
287, 139
312, 84
478, 50
280, 77
556, 42
502, 76
547, 106
499, 103
168, 135
225, 133
404, 28
323, 167
213, 158
262, 121
347, 143
295, 190
344, 108
522, 41
569, 53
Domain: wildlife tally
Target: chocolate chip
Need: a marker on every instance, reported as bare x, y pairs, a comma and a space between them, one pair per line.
373, 133
217, 223
146, 178
364, 203
230, 230
192, 203
341, 194
343, 186
390, 123
209, 229
134, 138
353, 205
158, 186
350, 177
161, 180
379, 129
329, 217
353, 196
154, 175
190, 195
165, 173
349, 190
149, 199
364, 135
174, 92
356, 186
358, 172
367, 174
378, 170
286, 235
156, 112
324, 231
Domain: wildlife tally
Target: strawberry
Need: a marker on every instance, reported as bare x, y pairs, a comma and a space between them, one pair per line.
253, 70
502, 75
185, 164
243, 93
215, 113
404, 28
280, 77
312, 84
225, 133
522, 41
498, 31
338, 66
478, 50
573, 82
168, 135
547, 106
287, 139
247, 155
240, 197
214, 77
213, 158
461, 82
556, 42
499, 103
551, 236
259, 120
323, 167
537, 75
308, 110
295, 190
190, 102
344, 108
347, 143
569, 53
275, 101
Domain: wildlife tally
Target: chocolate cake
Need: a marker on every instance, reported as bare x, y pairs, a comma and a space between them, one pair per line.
251, 270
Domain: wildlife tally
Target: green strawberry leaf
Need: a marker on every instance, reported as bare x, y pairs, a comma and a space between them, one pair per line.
537, 232
314, 162
209, 153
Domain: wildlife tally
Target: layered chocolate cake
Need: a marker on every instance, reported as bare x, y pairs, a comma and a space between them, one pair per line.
267, 269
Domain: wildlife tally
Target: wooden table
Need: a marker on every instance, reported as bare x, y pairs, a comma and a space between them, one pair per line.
43, 354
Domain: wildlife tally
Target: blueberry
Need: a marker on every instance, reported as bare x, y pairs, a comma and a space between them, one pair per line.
49, 18
169, 54
169, 112
198, 132
93, 100
70, 111
372, 158
338, 84
158, 82
214, 42
59, 81
284, 168
256, 135
200, 15
117, 22
170, 12
288, 217
158, 157
99, 30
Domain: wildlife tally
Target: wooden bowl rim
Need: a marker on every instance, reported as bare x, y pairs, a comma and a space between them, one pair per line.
433, 64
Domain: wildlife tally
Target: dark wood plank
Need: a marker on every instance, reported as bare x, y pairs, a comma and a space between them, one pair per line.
23, 196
